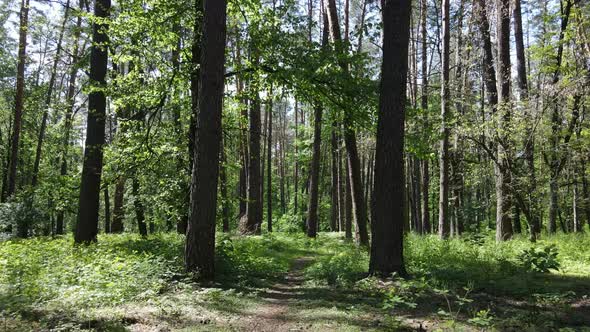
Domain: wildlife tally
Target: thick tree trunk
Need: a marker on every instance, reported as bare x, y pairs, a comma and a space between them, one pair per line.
19, 98
87, 223
443, 209
388, 210
200, 240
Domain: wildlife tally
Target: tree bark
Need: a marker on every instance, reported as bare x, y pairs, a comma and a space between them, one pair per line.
312, 212
200, 240
443, 209
19, 98
388, 210
424, 105
269, 167
252, 221
87, 223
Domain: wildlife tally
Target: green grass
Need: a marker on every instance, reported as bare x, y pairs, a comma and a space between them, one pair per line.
470, 283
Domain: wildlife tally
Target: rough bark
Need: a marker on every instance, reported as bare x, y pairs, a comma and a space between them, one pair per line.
200, 240
87, 223
252, 221
388, 210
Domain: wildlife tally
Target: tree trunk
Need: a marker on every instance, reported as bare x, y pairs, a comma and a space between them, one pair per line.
424, 105
59, 223
312, 212
269, 167
107, 210
388, 210
200, 240
556, 160
225, 213
49, 96
335, 205
87, 223
250, 224
19, 97
119, 210
348, 204
504, 187
356, 187
443, 209
139, 208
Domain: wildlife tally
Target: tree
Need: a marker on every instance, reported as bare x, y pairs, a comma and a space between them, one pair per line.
354, 167
87, 222
443, 208
503, 173
388, 202
200, 239
424, 104
49, 95
19, 98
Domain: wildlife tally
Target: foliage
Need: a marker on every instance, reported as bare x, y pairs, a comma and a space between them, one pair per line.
540, 260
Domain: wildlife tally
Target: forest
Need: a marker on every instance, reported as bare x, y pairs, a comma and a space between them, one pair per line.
294, 165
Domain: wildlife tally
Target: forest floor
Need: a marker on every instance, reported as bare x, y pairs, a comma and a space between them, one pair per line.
285, 282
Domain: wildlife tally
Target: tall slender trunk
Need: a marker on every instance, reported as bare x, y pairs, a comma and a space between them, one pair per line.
347, 203
48, 96
200, 239
557, 159
424, 105
529, 148
19, 97
250, 224
443, 215
269, 167
312, 212
296, 171
107, 210
503, 176
225, 212
358, 204
87, 223
59, 223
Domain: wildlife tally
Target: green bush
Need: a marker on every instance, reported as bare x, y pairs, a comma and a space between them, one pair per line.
340, 267
540, 260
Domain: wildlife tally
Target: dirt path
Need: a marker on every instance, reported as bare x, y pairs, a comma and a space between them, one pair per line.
279, 309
